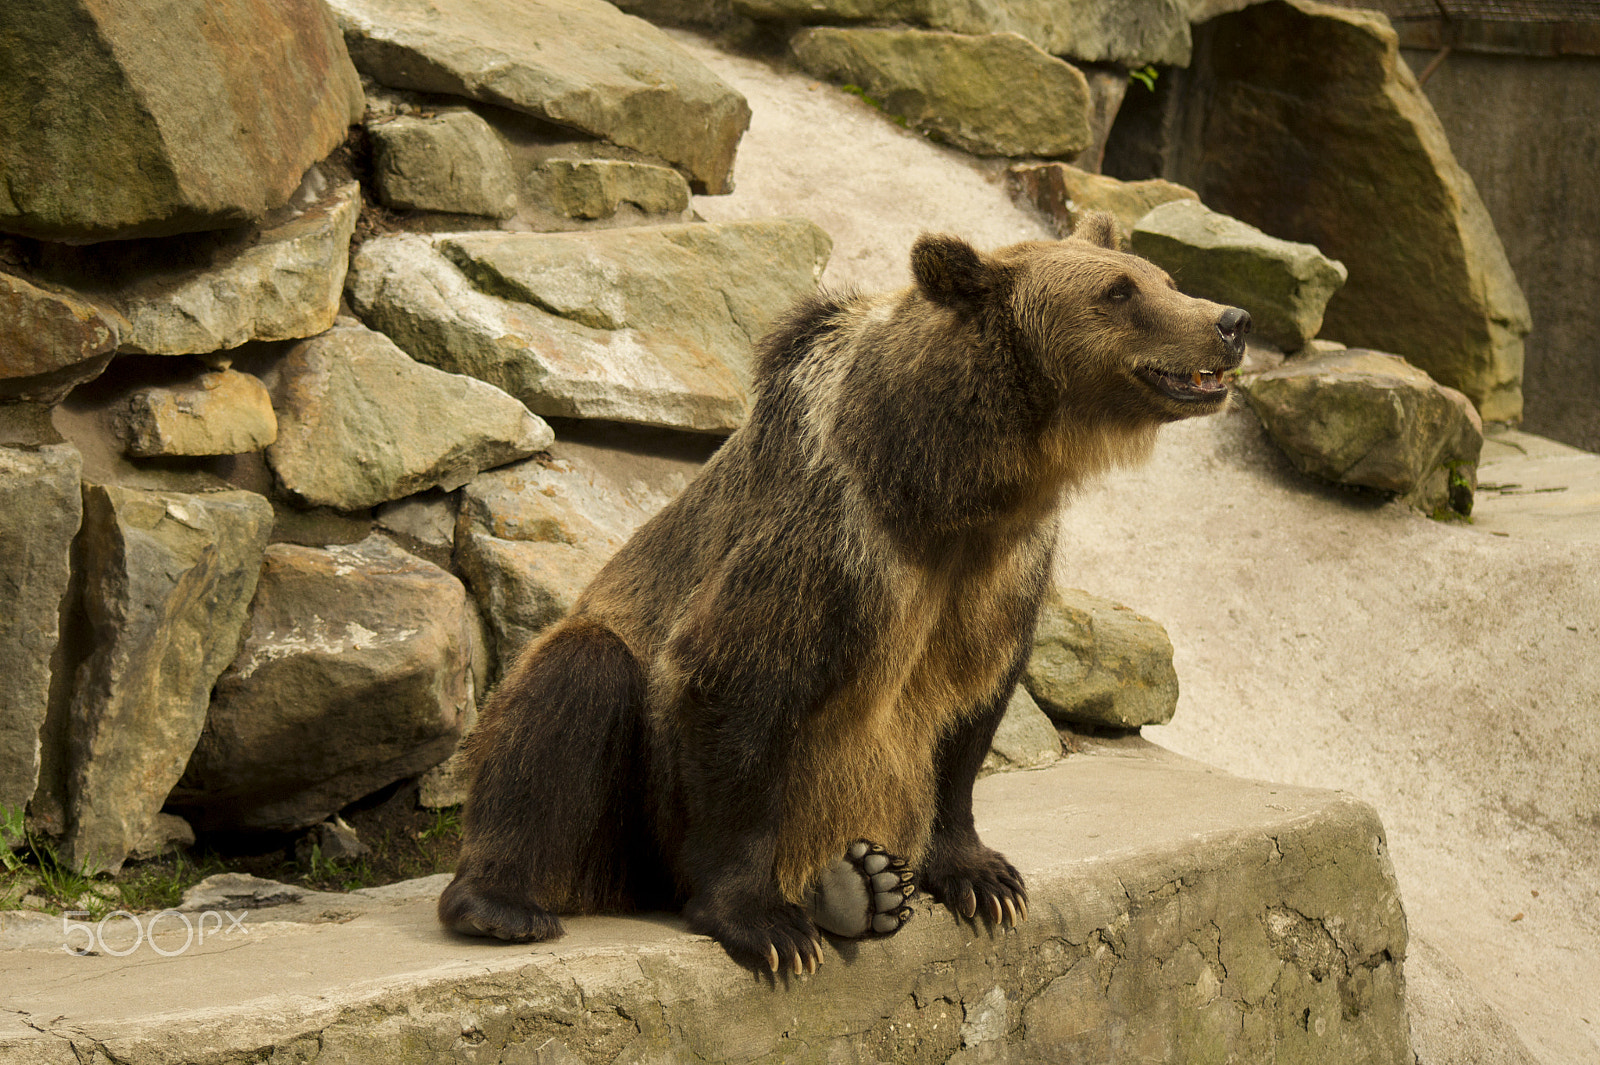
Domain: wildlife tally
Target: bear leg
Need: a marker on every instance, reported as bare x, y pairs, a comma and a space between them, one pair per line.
959, 871
554, 819
862, 893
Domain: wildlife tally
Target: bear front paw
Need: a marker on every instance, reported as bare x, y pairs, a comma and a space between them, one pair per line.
862, 893
979, 881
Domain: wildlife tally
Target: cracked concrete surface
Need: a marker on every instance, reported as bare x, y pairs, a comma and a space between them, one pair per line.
1177, 914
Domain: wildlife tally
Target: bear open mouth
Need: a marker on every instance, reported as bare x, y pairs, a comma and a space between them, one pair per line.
1197, 387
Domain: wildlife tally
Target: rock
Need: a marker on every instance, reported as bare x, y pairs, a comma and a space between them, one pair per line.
1285, 286
281, 282
239, 891
595, 188
167, 579
1129, 32
332, 841
166, 834
41, 506
427, 517
1309, 123
1370, 419
344, 442
453, 161
1064, 192
533, 535
652, 325
522, 587
945, 85
614, 76
1026, 738
445, 785
1097, 663
122, 121
222, 412
51, 342
355, 672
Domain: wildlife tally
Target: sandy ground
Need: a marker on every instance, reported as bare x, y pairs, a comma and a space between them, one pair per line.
1448, 675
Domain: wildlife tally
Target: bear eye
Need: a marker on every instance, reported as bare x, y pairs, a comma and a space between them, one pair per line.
1121, 291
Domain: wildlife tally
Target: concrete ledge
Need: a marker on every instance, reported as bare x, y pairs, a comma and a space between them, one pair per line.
1177, 915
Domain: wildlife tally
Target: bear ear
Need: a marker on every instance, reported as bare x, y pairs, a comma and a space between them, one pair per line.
1097, 228
949, 271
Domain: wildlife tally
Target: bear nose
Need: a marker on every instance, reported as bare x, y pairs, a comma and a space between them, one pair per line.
1232, 327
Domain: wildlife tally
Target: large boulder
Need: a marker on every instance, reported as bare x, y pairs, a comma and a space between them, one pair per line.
204, 294
355, 672
344, 442
1309, 126
1285, 286
651, 325
41, 505
1370, 419
1064, 192
1096, 663
126, 120
51, 341
578, 63
167, 581
1128, 32
450, 161
945, 85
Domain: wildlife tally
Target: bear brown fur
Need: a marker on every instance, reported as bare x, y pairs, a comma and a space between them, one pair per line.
812, 646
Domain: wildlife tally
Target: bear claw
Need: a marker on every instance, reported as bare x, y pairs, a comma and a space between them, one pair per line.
862, 893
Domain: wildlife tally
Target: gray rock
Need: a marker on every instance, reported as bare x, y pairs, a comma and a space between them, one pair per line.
344, 442
51, 342
126, 121
428, 517
167, 833
1098, 663
1129, 32
1370, 419
531, 537
595, 188
355, 672
239, 891
945, 84
168, 578
222, 412
453, 161
523, 587
651, 325
1309, 139
444, 785
613, 76
279, 283
41, 505
1026, 738
332, 841
1063, 193
1285, 286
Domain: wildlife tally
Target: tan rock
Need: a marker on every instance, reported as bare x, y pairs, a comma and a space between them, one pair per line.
613, 76
1097, 663
51, 341
126, 120
1064, 192
452, 161
223, 412
1313, 130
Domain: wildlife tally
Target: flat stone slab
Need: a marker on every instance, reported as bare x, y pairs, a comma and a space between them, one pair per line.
1177, 914
1532, 487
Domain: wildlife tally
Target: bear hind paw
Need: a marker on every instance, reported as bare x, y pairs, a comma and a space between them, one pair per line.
862, 893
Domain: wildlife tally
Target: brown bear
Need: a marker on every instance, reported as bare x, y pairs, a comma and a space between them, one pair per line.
770, 706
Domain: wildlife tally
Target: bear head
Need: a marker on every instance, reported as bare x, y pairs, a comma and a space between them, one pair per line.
1108, 332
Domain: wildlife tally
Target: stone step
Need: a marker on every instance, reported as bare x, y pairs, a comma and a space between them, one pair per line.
1531, 486
1177, 914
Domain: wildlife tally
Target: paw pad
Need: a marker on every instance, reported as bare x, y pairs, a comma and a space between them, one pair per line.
863, 892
